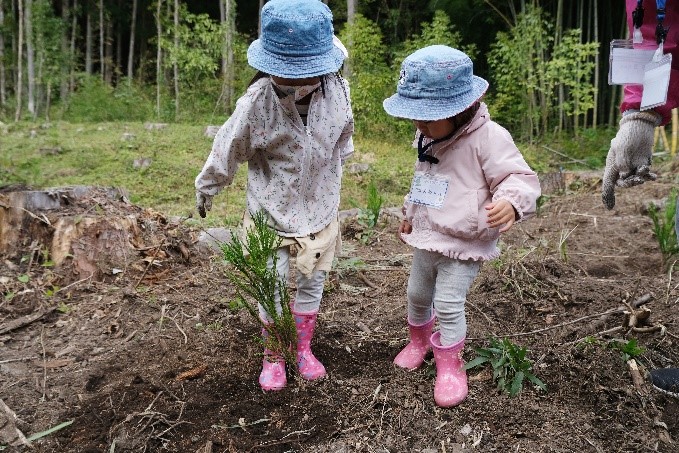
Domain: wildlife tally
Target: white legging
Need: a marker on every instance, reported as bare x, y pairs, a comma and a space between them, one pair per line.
442, 283
309, 289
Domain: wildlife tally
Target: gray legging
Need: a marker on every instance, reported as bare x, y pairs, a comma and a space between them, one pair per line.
442, 283
309, 289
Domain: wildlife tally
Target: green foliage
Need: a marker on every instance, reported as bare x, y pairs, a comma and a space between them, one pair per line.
664, 227
528, 68
628, 349
47, 34
371, 78
518, 64
369, 215
439, 31
96, 101
253, 273
572, 65
563, 248
199, 45
510, 365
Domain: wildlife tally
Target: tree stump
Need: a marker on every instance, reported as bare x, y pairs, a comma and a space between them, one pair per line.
83, 232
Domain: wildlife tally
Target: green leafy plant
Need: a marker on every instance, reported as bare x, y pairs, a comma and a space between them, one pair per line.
563, 250
629, 349
510, 365
664, 227
369, 215
257, 282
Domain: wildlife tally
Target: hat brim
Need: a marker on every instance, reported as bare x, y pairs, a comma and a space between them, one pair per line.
294, 67
425, 109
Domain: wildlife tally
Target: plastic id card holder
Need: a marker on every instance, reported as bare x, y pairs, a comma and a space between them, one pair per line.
656, 82
626, 65
428, 190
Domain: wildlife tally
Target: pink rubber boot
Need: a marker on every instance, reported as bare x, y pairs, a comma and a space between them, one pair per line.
412, 355
272, 377
309, 366
451, 378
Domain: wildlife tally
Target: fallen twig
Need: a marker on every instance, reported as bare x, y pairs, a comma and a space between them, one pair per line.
12, 418
25, 320
186, 339
585, 163
74, 283
365, 280
637, 303
151, 261
18, 360
637, 379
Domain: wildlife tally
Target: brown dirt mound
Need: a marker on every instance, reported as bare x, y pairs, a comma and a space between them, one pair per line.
151, 358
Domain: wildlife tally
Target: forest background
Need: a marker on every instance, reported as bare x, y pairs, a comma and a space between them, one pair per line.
126, 62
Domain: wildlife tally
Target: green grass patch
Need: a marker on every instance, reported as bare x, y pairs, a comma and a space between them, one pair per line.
104, 154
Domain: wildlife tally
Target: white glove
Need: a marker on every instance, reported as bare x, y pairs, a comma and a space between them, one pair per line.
203, 203
628, 162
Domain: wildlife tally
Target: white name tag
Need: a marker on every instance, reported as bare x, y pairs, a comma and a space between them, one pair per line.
428, 190
656, 81
627, 64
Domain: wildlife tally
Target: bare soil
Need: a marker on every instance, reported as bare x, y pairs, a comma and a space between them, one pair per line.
149, 357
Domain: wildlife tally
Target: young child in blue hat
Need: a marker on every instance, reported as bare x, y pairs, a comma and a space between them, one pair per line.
294, 128
470, 184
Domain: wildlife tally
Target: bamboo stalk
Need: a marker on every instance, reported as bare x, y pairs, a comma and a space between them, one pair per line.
665, 142
675, 125
656, 136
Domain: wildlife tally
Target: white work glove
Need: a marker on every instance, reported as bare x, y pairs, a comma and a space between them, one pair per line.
203, 203
628, 162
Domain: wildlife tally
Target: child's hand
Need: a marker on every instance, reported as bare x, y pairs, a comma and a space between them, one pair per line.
501, 213
404, 228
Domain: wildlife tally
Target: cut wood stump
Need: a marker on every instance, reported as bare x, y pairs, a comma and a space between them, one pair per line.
85, 232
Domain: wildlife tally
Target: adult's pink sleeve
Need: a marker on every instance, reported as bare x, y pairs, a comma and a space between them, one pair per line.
632, 93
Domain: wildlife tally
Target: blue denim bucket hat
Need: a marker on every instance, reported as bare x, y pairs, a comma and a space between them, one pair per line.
296, 40
435, 82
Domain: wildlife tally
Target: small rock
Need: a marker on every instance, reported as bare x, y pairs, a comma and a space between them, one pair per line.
154, 126
211, 131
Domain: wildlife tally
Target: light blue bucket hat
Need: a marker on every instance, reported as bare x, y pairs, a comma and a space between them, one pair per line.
296, 40
435, 82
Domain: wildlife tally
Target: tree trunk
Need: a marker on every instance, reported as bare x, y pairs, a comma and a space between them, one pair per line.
130, 54
108, 53
30, 56
259, 15
20, 59
558, 33
72, 62
596, 65
175, 66
88, 44
63, 84
118, 68
102, 60
3, 88
351, 12
159, 56
226, 10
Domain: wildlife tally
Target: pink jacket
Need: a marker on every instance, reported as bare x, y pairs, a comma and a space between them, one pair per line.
632, 96
480, 164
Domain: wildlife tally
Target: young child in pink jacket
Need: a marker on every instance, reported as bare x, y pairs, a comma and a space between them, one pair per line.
470, 184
